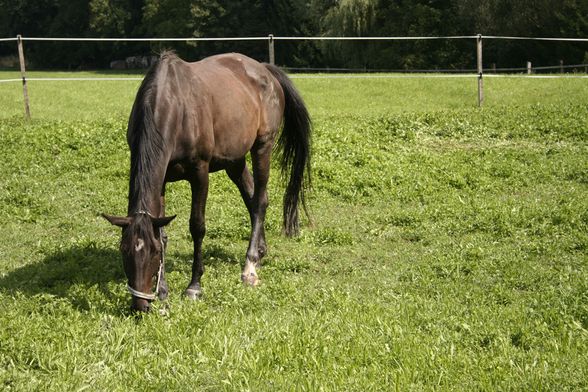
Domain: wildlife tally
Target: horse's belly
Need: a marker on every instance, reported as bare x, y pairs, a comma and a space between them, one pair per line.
177, 171
218, 164
233, 139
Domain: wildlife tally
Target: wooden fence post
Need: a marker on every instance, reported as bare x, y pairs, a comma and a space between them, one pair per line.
25, 91
529, 68
480, 71
272, 55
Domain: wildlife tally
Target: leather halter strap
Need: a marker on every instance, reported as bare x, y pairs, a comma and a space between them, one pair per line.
140, 294
143, 212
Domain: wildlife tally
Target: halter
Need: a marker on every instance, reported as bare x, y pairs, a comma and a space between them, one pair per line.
140, 294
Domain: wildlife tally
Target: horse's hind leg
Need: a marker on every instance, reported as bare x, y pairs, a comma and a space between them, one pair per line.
260, 156
199, 186
242, 178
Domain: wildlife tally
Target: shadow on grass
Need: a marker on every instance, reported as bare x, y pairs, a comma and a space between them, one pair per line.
215, 254
74, 274
82, 275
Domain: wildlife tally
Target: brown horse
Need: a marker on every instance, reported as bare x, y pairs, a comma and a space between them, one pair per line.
190, 119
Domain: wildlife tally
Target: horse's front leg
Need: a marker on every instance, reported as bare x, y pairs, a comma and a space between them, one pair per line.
260, 157
199, 186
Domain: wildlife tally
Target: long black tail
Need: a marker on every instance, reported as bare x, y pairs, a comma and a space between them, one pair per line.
294, 145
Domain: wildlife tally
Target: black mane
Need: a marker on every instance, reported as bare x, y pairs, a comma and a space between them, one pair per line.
145, 140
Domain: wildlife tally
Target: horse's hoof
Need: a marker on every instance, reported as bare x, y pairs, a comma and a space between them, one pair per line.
250, 280
193, 294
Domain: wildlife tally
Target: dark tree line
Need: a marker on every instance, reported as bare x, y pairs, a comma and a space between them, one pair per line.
222, 18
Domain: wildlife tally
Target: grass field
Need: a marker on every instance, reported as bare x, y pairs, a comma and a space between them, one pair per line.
448, 252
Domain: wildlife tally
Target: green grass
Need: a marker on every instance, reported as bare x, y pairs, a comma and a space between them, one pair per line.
449, 250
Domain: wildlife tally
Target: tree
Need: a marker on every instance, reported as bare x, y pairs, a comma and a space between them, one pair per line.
222, 18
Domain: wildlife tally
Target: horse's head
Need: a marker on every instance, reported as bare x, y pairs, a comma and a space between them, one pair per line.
142, 252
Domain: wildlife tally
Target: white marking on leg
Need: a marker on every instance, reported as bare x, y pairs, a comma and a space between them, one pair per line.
193, 293
249, 275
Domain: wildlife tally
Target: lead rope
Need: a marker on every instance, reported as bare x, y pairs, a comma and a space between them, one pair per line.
161, 261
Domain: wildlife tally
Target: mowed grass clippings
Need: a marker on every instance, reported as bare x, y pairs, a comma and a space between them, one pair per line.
448, 250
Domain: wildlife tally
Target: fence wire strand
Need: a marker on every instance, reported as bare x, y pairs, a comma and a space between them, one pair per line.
299, 38
121, 39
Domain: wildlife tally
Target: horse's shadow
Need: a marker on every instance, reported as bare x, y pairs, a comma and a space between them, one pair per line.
71, 274
86, 276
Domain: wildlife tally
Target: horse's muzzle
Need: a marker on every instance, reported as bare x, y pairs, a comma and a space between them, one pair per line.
140, 305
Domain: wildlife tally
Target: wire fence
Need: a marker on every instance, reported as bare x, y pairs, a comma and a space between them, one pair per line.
579, 71
574, 68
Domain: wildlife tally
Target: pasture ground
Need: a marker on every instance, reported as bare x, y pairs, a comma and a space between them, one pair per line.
448, 251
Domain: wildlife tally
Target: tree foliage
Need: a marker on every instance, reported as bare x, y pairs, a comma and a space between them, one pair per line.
241, 18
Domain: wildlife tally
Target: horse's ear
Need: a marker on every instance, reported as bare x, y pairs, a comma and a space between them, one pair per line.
120, 221
160, 222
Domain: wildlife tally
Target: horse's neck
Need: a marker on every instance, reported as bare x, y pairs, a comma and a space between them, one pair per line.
145, 189
150, 203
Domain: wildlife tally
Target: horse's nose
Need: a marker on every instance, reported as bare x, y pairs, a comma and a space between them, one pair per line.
140, 305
